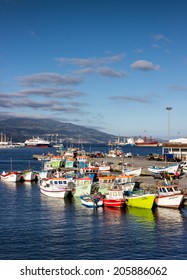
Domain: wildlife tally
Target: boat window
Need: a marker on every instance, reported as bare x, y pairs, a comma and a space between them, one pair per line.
55, 182
175, 188
60, 182
170, 190
51, 182
162, 190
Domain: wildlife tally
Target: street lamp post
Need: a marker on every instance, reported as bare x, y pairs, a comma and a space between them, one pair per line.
169, 109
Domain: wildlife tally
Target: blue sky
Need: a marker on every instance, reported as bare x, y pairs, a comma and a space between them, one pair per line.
113, 65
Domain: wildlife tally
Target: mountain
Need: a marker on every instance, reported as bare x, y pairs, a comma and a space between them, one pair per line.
20, 129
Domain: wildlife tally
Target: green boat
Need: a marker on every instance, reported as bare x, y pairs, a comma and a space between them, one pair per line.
83, 186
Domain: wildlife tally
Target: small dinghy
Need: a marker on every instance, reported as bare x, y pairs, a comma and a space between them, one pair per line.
92, 201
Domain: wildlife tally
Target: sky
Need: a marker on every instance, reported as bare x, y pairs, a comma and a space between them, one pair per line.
111, 65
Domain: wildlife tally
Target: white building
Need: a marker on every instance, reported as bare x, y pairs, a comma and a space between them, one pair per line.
177, 147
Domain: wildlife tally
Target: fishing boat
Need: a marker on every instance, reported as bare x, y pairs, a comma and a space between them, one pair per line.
44, 174
157, 169
114, 199
169, 196
140, 199
57, 187
86, 171
92, 201
109, 202
29, 176
83, 186
132, 171
12, 176
105, 183
124, 182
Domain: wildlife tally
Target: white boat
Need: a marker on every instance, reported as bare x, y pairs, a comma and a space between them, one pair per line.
57, 187
132, 171
115, 153
37, 142
12, 176
169, 196
184, 169
130, 142
29, 176
91, 201
169, 169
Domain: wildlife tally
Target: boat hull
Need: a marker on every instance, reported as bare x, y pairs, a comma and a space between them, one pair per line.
169, 201
168, 169
147, 144
37, 145
141, 201
119, 203
132, 172
12, 177
29, 176
55, 193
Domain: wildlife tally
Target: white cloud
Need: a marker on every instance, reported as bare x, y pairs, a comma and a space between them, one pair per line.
178, 87
144, 65
160, 37
106, 71
48, 78
90, 62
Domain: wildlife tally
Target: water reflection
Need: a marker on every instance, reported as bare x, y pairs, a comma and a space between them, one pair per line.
183, 211
113, 216
168, 216
141, 215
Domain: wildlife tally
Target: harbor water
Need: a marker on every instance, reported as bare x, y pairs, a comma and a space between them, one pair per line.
36, 227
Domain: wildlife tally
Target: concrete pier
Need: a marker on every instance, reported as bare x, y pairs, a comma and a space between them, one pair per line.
146, 178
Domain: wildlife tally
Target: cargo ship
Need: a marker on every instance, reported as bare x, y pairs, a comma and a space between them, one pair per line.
144, 142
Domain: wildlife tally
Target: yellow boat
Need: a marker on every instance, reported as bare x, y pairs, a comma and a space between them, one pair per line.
140, 200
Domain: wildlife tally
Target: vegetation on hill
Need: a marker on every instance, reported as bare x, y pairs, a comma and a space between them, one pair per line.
20, 129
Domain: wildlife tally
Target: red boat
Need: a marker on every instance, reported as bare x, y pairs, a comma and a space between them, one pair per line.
114, 202
114, 199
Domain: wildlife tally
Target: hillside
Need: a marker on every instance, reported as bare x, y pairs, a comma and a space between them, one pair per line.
20, 129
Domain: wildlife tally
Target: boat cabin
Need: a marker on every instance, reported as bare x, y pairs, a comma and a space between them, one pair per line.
116, 194
83, 181
124, 179
169, 189
89, 170
106, 179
